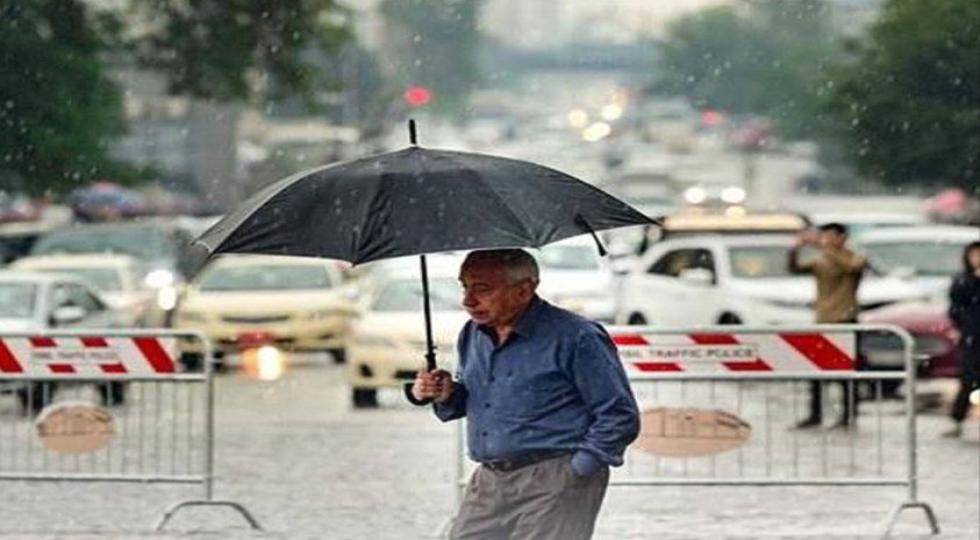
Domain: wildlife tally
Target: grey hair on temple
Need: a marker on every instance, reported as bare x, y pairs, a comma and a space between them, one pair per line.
518, 264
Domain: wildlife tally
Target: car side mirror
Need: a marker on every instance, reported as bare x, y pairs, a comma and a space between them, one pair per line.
68, 315
697, 276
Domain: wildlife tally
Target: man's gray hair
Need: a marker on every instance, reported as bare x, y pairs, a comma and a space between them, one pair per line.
518, 264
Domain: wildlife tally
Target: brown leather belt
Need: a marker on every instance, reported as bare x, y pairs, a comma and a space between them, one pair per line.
517, 462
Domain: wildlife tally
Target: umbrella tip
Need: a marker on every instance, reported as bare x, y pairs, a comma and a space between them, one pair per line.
412, 132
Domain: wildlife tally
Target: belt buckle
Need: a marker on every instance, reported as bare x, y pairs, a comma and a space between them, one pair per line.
500, 465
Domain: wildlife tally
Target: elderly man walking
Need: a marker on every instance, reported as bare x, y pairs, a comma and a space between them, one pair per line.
548, 405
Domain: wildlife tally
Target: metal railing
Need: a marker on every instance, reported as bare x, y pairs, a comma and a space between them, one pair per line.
157, 420
767, 389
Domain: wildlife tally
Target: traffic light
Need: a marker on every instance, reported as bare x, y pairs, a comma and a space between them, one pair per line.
417, 96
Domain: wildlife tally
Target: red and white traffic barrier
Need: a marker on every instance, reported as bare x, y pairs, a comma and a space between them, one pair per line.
88, 355
722, 352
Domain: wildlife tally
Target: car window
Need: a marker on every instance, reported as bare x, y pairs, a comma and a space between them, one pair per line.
83, 298
104, 279
765, 261
674, 262
260, 277
17, 300
928, 258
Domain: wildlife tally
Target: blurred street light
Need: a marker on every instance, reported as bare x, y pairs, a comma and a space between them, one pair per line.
733, 195
418, 96
596, 132
578, 118
612, 111
695, 195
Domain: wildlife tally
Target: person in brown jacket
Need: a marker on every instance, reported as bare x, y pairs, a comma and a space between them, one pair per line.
838, 272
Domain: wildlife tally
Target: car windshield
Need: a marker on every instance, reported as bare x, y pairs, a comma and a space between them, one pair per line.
406, 295
146, 243
262, 277
764, 261
17, 300
927, 258
104, 279
559, 257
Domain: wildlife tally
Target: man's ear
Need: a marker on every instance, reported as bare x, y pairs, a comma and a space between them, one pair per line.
528, 288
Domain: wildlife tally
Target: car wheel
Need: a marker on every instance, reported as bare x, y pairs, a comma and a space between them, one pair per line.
729, 318
363, 398
35, 397
637, 320
339, 355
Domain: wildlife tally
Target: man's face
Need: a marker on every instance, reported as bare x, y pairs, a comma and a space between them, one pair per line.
487, 296
973, 258
832, 239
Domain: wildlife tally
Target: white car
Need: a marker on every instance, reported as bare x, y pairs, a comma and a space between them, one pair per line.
736, 279
117, 277
387, 344
575, 277
34, 302
930, 255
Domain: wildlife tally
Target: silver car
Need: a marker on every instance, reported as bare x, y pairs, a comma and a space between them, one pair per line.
35, 302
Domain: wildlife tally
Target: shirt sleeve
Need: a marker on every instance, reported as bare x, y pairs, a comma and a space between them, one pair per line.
598, 374
793, 263
455, 407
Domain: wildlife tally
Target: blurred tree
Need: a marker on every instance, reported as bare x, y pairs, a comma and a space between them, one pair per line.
434, 44
229, 50
763, 57
910, 97
58, 108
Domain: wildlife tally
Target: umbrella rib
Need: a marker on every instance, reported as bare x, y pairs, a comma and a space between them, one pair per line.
378, 188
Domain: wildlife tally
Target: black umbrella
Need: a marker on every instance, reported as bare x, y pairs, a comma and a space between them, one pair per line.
416, 201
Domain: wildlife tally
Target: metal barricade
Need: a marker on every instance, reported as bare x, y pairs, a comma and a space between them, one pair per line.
700, 386
154, 425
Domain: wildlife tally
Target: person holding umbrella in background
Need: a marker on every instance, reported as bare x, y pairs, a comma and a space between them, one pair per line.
548, 405
964, 311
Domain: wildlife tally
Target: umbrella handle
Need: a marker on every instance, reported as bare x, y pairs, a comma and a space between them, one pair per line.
412, 399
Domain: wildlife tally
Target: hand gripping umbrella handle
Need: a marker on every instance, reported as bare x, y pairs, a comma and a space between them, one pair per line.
414, 400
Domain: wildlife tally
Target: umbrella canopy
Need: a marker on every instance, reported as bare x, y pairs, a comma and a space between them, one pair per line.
416, 201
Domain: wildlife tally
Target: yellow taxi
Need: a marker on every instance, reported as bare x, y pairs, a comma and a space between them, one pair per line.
302, 303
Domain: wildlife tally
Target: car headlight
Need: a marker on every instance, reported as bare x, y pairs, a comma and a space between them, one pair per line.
695, 195
191, 316
157, 279
167, 298
733, 195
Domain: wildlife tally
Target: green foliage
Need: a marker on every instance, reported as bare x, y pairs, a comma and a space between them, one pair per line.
58, 109
910, 97
227, 49
435, 44
768, 59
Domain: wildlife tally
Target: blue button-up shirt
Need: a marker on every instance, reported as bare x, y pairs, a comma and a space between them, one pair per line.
556, 384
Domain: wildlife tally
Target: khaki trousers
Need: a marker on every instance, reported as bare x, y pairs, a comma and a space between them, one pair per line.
543, 501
